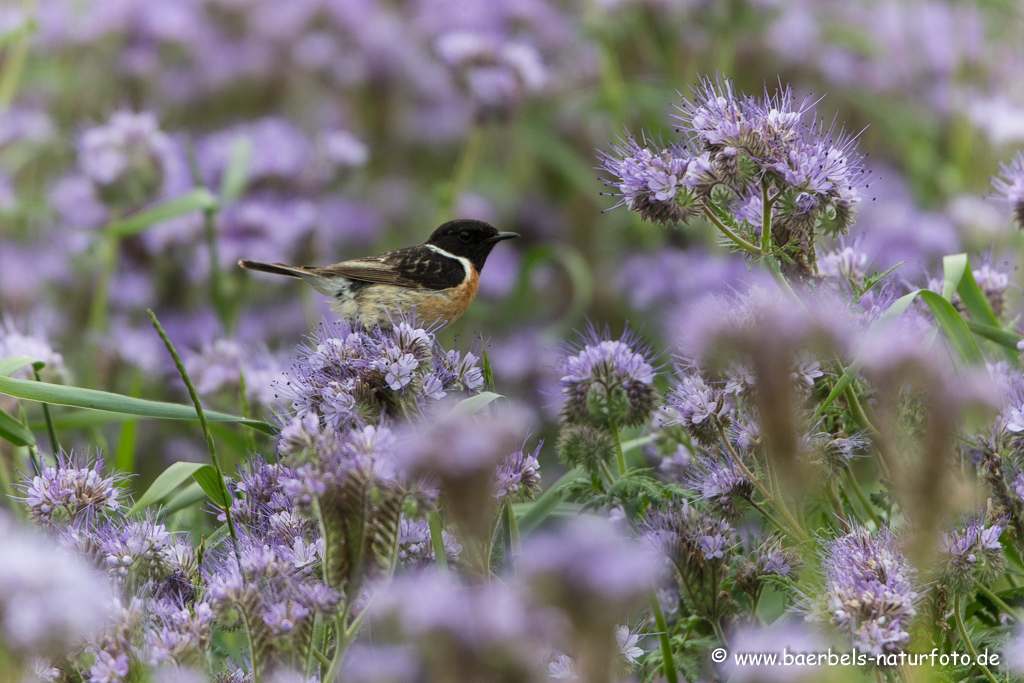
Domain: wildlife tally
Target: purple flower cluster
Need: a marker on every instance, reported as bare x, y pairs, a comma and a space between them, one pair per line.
126, 159
75, 487
607, 382
869, 590
224, 364
1009, 187
659, 185
972, 554
349, 375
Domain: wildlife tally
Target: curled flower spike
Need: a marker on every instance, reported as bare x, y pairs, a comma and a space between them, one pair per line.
74, 488
1009, 187
973, 553
607, 382
656, 184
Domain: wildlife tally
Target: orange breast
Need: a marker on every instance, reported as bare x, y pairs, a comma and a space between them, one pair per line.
376, 304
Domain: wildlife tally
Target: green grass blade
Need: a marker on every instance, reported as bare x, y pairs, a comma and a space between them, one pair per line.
168, 481
1008, 340
93, 399
199, 199
955, 327
11, 364
953, 268
236, 175
14, 431
474, 404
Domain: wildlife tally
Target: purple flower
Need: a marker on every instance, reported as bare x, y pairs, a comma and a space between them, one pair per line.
50, 600
1009, 186
518, 476
223, 364
588, 570
698, 407
654, 184
16, 343
607, 382
973, 553
788, 636
869, 590
73, 488
723, 486
126, 158
415, 546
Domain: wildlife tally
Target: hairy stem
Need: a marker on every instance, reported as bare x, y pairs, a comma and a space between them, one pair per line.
620, 454
967, 641
728, 232
668, 663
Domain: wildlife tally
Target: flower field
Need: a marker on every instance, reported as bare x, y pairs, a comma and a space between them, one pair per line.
743, 402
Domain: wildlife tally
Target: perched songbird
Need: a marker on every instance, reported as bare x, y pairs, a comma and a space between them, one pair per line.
438, 278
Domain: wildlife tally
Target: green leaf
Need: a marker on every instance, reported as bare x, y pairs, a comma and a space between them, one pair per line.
955, 327
169, 480
198, 199
81, 419
474, 404
983, 320
953, 269
1000, 336
190, 495
848, 376
11, 364
101, 400
539, 509
237, 173
209, 480
14, 431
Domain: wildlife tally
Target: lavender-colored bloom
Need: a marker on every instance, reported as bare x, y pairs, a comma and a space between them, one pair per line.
654, 184
126, 158
722, 485
415, 546
589, 571
791, 637
50, 600
176, 633
1013, 653
627, 642
16, 343
74, 488
518, 476
845, 264
1009, 187
139, 550
670, 277
869, 590
607, 382
973, 553
698, 407
486, 632
380, 664
223, 364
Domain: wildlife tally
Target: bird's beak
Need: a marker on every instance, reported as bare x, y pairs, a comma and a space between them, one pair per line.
501, 236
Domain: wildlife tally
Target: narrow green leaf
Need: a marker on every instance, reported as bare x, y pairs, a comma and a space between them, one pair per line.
169, 480
539, 509
953, 268
198, 199
81, 419
11, 364
847, 378
14, 431
488, 374
1004, 338
207, 477
237, 173
101, 400
474, 404
955, 327
190, 495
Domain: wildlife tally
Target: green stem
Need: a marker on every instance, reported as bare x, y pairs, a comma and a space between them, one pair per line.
868, 508
778, 525
464, 168
620, 454
780, 502
340, 645
252, 646
321, 657
739, 463
967, 641
728, 232
717, 625
668, 663
437, 541
194, 395
101, 297
766, 218
998, 601
14, 63
50, 429
857, 411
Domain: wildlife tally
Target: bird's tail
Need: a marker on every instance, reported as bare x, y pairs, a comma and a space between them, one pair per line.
275, 268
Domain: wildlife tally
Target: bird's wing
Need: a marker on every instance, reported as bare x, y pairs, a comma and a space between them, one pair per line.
418, 266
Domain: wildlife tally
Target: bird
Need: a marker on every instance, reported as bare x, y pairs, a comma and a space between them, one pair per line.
437, 280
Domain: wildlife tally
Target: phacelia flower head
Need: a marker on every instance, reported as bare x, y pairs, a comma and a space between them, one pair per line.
349, 375
658, 184
971, 554
722, 485
869, 590
75, 488
1009, 187
607, 382
699, 407
127, 158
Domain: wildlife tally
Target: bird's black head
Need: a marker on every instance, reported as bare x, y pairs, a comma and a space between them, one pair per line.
468, 238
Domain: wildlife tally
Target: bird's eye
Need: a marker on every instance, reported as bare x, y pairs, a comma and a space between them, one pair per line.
464, 236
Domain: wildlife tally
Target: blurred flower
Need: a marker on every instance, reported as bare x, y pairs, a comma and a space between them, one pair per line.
125, 158
869, 590
518, 476
51, 601
784, 636
415, 546
606, 382
1009, 186
627, 642
223, 364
